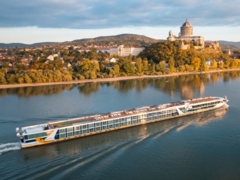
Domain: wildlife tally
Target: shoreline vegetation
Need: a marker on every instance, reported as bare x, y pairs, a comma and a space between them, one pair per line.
7, 86
161, 59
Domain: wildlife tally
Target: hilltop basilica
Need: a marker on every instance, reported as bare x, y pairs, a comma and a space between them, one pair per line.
186, 33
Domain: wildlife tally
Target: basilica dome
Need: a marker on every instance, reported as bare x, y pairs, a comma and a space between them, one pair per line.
186, 24
186, 29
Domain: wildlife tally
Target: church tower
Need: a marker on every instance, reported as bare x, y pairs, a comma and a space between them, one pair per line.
186, 29
186, 34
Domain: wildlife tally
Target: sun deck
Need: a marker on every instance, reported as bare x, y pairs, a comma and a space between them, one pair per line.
199, 100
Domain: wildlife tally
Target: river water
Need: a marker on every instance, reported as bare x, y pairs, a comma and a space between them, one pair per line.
203, 146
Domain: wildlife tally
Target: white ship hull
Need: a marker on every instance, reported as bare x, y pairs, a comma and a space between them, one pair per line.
85, 126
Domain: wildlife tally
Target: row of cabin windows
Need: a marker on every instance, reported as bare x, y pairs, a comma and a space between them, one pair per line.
98, 126
97, 129
105, 125
200, 106
123, 121
31, 136
162, 113
207, 104
67, 132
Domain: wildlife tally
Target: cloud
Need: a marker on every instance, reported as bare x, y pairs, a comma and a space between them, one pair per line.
96, 14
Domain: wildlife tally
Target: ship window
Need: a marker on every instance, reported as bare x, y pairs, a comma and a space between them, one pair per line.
98, 129
62, 130
110, 122
77, 132
91, 129
69, 134
77, 128
69, 129
91, 126
84, 126
31, 136
104, 127
134, 117
98, 124
134, 121
84, 131
124, 123
62, 135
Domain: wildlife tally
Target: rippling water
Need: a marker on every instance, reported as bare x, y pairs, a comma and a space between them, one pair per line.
203, 146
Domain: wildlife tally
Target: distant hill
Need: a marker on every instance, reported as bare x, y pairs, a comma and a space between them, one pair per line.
226, 45
126, 39
229, 43
3, 45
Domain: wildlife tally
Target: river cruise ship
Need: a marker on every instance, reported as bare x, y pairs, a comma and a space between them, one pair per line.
52, 132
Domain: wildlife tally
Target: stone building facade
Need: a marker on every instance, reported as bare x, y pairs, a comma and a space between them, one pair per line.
126, 51
186, 34
120, 50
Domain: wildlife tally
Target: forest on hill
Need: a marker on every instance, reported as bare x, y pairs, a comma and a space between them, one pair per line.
125, 39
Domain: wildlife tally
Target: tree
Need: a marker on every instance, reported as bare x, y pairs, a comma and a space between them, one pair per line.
95, 66
221, 65
234, 63
182, 68
171, 64
189, 68
84, 66
161, 66
203, 66
214, 64
11, 79
226, 60
27, 79
145, 66
139, 65
196, 63
116, 70
126, 66
2, 78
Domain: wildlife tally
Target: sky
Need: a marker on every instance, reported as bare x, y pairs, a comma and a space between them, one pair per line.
32, 21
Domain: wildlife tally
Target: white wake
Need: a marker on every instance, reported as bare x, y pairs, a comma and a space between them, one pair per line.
9, 147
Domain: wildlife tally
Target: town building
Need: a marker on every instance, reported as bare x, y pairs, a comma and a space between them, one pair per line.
126, 51
186, 34
212, 45
120, 50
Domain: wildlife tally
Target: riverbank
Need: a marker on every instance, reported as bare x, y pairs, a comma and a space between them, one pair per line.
5, 86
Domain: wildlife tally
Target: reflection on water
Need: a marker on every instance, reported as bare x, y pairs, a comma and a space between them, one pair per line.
185, 84
36, 91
